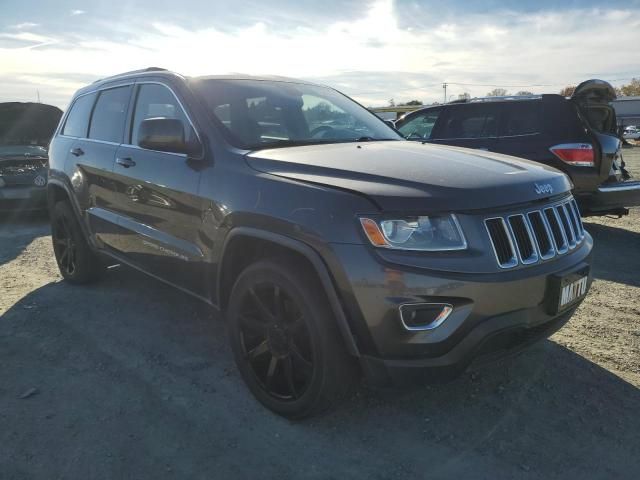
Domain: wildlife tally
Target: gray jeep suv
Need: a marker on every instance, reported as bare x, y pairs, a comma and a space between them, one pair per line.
334, 247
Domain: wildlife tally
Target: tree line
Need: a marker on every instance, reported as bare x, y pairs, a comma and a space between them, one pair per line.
628, 90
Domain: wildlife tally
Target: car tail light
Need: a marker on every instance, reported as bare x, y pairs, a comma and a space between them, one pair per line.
577, 154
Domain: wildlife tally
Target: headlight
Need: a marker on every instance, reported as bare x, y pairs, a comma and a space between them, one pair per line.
430, 233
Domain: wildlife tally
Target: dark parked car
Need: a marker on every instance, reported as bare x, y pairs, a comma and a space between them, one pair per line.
333, 246
576, 135
25, 132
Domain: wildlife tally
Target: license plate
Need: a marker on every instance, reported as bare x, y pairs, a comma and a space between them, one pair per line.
15, 194
566, 290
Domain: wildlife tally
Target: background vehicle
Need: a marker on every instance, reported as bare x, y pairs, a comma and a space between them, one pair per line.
315, 227
25, 132
576, 135
631, 133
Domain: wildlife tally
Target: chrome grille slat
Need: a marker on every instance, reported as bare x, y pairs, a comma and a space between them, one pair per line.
574, 222
542, 234
501, 242
558, 234
535, 235
566, 225
578, 216
524, 243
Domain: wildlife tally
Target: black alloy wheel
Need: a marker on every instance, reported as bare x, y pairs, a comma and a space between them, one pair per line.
275, 342
76, 261
285, 339
64, 246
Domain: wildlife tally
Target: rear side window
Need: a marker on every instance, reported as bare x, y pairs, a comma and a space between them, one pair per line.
78, 119
108, 119
521, 118
473, 121
157, 101
420, 126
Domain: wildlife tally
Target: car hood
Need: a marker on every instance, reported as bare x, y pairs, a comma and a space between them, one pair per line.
28, 123
409, 176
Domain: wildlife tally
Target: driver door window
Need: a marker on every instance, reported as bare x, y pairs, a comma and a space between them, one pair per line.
157, 101
420, 126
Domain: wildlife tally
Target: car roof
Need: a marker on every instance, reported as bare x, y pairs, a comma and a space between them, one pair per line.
264, 78
489, 100
162, 72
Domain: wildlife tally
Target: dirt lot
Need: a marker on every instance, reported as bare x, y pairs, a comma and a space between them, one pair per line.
131, 379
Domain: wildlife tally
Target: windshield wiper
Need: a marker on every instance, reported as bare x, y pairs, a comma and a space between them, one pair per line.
372, 139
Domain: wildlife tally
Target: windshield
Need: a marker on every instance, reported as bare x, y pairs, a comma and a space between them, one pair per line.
258, 114
22, 151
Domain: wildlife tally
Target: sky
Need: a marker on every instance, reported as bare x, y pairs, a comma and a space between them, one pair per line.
373, 50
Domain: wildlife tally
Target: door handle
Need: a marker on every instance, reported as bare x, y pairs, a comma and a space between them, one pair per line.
77, 151
126, 162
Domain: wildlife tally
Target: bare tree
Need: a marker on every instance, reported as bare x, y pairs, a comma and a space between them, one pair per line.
497, 92
410, 103
568, 91
631, 89
464, 96
524, 92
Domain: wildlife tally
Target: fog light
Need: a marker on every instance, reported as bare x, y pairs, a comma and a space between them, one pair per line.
424, 316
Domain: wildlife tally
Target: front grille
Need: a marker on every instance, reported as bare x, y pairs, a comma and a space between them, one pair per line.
529, 237
21, 172
501, 241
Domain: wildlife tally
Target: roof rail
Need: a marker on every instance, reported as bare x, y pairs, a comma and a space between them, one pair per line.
133, 72
505, 97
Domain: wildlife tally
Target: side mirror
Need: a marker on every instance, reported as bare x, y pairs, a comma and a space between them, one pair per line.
164, 135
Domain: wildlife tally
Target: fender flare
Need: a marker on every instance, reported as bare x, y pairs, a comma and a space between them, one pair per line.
56, 183
316, 261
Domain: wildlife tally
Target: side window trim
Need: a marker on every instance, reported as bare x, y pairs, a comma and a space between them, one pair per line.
132, 112
63, 124
503, 117
439, 111
445, 119
95, 103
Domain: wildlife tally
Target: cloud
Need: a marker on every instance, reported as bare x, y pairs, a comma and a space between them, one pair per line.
77, 12
24, 26
26, 40
374, 57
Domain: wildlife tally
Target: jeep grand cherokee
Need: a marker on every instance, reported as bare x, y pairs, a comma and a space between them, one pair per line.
334, 247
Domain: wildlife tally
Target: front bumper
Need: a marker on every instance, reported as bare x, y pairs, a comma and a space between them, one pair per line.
23, 197
493, 313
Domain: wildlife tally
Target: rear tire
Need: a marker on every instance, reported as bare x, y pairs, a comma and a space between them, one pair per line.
77, 262
286, 342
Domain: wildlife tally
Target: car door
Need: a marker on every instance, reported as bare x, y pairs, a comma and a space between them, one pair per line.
520, 131
157, 201
469, 125
92, 157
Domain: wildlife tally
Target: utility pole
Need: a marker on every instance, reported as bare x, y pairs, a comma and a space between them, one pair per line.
444, 85
38, 95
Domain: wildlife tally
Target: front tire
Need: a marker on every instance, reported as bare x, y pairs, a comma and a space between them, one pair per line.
286, 342
76, 261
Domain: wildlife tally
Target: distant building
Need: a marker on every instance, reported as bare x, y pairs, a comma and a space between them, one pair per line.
627, 110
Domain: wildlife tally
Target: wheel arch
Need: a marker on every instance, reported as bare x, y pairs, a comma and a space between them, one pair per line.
235, 257
59, 191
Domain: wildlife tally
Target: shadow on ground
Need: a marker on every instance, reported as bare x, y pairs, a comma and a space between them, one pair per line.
615, 253
18, 230
136, 380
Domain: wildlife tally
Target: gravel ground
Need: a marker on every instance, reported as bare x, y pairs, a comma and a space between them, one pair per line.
131, 379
